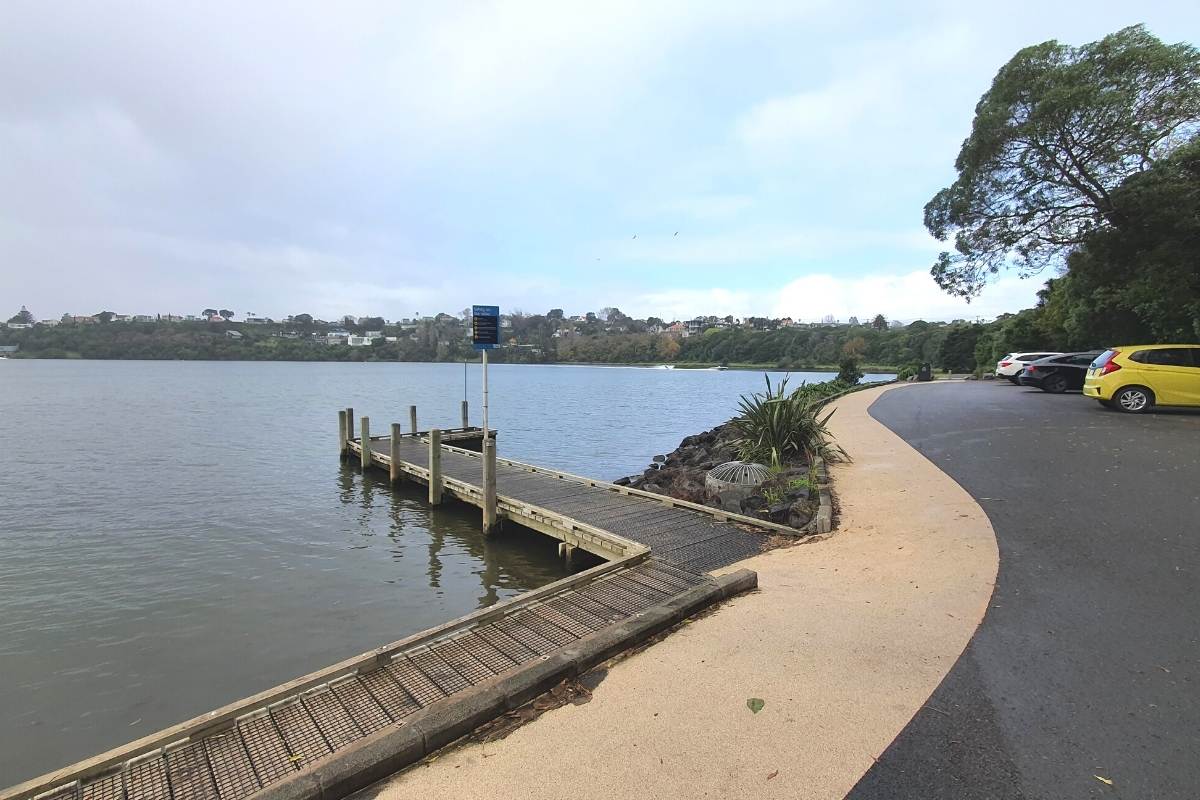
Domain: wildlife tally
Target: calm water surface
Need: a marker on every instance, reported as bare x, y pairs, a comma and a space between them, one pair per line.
178, 535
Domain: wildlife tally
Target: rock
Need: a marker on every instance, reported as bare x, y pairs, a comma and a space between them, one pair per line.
659, 459
779, 512
653, 487
799, 514
972, 378
754, 502
989, 376
911, 378
732, 498
622, 481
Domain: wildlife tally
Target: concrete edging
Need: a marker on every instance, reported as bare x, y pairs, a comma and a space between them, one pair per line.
397, 746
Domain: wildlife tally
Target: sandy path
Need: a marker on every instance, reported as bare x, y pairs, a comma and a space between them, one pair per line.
844, 641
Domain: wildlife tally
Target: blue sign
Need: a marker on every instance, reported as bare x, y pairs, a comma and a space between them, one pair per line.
485, 327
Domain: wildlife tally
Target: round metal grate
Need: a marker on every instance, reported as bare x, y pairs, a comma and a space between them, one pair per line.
735, 473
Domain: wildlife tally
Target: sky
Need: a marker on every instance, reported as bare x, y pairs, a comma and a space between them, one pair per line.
387, 158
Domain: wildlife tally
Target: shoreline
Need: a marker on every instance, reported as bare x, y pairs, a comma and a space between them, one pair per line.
867, 369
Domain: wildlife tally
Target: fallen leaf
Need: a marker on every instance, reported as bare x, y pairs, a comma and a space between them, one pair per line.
755, 704
773, 774
1103, 780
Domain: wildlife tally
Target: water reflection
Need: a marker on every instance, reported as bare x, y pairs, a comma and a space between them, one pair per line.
450, 534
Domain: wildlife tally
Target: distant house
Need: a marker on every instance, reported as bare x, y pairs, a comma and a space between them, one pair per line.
258, 320
49, 323
19, 325
361, 341
143, 318
5, 349
234, 334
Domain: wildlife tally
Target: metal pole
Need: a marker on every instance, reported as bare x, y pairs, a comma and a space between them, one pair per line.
485, 396
342, 432
465, 416
412, 417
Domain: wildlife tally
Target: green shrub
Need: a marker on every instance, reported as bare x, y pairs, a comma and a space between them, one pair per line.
849, 373
778, 427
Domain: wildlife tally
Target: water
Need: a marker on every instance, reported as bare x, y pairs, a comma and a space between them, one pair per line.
178, 535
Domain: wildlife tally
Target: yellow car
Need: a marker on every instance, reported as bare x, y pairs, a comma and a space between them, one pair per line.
1133, 378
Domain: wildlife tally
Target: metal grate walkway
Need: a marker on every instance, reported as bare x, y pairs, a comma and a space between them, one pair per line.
690, 539
269, 743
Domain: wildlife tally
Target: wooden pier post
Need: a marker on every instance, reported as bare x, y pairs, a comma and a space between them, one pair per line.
412, 416
342, 433
465, 417
435, 465
349, 424
394, 454
489, 486
366, 443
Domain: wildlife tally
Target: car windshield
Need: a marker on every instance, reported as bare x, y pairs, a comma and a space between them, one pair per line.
1103, 359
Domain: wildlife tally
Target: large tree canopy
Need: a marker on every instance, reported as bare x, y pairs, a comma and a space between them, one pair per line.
1059, 129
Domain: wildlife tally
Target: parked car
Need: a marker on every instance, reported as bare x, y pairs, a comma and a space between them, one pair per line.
1134, 378
1057, 374
1011, 365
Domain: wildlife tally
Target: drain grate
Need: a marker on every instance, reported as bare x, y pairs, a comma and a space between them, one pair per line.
268, 753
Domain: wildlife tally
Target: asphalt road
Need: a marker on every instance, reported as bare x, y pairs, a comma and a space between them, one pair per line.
1087, 663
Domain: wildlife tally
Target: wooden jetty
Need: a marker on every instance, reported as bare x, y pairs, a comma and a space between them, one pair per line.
283, 742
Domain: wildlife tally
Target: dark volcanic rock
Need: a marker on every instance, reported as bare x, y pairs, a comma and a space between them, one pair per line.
681, 473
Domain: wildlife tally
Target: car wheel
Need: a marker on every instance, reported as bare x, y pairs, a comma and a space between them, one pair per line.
1106, 403
1055, 384
1015, 379
1133, 399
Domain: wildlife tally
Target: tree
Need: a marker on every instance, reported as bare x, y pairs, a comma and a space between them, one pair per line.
848, 371
105, 316
555, 314
854, 322
226, 313
303, 319
854, 348
23, 316
1139, 282
208, 312
1059, 129
373, 323
879, 323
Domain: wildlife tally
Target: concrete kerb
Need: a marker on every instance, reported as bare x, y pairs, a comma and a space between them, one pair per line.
397, 746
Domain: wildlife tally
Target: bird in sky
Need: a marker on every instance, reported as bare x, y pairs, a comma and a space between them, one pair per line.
676, 233
635, 236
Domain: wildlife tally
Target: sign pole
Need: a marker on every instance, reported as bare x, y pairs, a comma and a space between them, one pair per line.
485, 334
